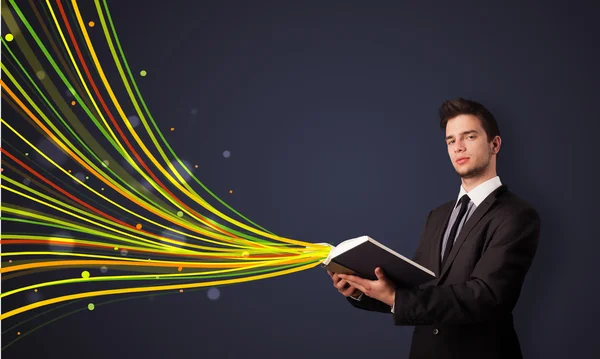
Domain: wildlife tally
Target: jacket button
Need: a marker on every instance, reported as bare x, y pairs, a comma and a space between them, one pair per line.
435, 331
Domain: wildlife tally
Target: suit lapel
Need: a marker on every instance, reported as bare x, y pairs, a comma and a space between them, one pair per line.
480, 211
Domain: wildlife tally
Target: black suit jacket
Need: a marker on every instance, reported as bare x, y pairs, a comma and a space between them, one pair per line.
466, 312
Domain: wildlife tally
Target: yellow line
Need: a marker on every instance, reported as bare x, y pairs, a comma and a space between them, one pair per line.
149, 289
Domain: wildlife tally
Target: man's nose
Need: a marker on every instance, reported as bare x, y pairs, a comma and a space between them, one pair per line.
459, 147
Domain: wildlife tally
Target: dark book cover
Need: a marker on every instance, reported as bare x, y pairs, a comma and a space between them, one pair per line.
365, 254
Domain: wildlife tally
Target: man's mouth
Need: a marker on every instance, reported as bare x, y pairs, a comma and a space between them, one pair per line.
462, 160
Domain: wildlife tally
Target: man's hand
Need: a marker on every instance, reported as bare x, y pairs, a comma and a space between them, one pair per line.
343, 286
381, 289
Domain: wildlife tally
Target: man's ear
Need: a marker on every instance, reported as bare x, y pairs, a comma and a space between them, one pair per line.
496, 142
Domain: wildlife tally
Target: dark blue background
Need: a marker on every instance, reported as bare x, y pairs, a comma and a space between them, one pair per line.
330, 114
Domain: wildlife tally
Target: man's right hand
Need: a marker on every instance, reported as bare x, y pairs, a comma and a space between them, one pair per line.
343, 286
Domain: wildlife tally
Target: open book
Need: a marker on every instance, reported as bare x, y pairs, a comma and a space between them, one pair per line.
360, 256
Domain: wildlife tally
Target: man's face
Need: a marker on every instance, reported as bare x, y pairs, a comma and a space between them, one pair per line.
468, 147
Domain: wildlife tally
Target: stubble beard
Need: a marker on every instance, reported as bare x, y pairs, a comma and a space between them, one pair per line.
475, 171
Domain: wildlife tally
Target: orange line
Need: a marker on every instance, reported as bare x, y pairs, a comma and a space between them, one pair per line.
86, 166
105, 215
118, 128
71, 244
135, 264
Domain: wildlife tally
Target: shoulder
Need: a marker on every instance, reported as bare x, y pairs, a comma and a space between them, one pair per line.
507, 204
510, 205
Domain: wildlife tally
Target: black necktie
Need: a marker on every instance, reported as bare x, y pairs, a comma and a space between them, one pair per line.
464, 202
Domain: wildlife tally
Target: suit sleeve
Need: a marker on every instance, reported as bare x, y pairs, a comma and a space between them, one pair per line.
492, 289
368, 303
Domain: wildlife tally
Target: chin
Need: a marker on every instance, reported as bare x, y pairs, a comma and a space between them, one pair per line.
463, 171
466, 173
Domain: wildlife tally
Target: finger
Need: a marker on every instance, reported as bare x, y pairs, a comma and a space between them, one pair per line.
336, 278
379, 273
354, 279
348, 276
341, 285
351, 292
357, 286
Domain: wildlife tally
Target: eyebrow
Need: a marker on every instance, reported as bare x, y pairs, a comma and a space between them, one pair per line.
463, 133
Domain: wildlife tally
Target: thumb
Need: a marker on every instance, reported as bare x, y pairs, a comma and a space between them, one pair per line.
379, 273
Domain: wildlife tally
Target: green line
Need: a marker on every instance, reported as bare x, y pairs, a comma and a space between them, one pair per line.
127, 183
158, 131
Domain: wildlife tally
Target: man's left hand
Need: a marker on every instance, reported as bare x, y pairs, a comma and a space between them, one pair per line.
381, 289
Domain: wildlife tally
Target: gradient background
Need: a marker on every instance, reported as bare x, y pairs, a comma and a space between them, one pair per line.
329, 110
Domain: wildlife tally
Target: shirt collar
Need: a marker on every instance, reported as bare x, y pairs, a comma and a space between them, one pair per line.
479, 193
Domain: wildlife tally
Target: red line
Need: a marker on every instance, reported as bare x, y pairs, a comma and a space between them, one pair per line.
54, 241
31, 170
105, 107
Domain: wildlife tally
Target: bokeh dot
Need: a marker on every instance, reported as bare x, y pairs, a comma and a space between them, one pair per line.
85, 274
245, 254
103, 269
73, 103
91, 306
40, 75
9, 37
138, 226
175, 236
106, 163
80, 176
143, 73
226, 154
133, 120
26, 181
213, 293
181, 169
66, 242
34, 297
124, 252
91, 23
180, 214
179, 269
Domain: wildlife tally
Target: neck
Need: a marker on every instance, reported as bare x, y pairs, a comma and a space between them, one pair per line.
470, 183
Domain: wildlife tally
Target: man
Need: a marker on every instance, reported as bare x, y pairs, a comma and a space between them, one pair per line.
479, 246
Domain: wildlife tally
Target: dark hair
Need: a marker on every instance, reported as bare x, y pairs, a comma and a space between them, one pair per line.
461, 106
